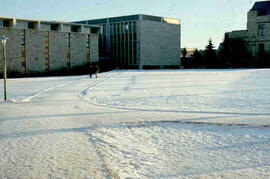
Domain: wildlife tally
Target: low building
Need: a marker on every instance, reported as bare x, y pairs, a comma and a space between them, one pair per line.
36, 46
189, 52
257, 35
139, 41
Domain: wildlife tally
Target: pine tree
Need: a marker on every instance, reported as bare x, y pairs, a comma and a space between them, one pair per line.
197, 59
210, 56
184, 52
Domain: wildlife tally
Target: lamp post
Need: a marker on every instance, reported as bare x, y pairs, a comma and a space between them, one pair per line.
4, 42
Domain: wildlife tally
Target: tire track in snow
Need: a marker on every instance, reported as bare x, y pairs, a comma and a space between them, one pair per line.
173, 111
29, 98
110, 172
153, 123
92, 101
83, 93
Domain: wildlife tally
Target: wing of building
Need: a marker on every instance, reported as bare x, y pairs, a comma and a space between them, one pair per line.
139, 41
36, 46
257, 35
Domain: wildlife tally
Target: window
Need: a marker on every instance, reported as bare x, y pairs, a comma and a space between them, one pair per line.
6, 23
75, 29
88, 42
261, 49
45, 27
22, 24
111, 29
104, 29
23, 38
1, 23
126, 27
54, 27
134, 26
68, 39
31, 25
261, 30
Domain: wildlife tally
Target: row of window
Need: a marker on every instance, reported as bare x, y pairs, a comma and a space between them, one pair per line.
47, 53
124, 43
54, 27
123, 27
23, 52
124, 53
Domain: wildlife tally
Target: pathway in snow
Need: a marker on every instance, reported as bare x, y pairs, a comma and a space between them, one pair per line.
142, 124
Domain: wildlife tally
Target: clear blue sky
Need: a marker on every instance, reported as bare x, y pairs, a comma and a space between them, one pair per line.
201, 19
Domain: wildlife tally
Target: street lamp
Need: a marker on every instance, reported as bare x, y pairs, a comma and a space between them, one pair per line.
4, 42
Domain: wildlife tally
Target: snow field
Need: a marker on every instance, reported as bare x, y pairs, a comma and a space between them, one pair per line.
223, 91
177, 150
138, 124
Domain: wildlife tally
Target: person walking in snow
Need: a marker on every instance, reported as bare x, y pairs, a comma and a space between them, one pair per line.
97, 70
92, 70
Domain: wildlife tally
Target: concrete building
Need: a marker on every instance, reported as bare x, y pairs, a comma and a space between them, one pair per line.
35, 46
257, 35
139, 41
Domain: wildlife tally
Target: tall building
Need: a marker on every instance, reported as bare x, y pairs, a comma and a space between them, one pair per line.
139, 41
257, 35
36, 46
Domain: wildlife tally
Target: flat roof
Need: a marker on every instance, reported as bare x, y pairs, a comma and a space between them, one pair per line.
48, 22
130, 18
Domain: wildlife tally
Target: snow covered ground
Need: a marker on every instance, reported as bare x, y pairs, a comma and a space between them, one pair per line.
138, 124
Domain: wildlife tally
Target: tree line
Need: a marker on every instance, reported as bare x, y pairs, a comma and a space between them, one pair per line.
231, 54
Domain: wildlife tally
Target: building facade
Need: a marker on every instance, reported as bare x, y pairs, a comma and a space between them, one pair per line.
43, 46
257, 35
139, 41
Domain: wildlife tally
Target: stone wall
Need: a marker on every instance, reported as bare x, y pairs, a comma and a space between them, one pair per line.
251, 35
159, 43
94, 56
35, 50
58, 50
13, 49
77, 49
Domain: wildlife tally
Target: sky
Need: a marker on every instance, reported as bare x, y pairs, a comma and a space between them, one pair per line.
200, 19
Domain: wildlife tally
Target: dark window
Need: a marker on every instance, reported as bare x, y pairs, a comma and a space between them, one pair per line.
261, 49
261, 30
104, 29
134, 26
76, 29
88, 42
31, 25
111, 29
54, 27
135, 36
118, 28
94, 30
6, 23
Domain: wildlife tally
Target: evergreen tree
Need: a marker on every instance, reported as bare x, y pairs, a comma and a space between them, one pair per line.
224, 54
210, 56
234, 54
197, 61
184, 53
